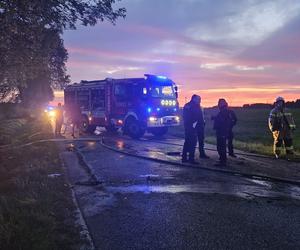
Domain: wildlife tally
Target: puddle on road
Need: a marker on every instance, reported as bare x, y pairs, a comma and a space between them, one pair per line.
245, 191
94, 202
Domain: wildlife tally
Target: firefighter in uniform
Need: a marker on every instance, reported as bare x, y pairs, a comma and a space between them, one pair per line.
191, 112
222, 126
200, 133
282, 125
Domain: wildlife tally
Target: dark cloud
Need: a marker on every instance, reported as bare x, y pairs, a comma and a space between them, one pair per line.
282, 47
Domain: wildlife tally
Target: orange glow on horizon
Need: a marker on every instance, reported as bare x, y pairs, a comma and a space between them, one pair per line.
234, 96
237, 97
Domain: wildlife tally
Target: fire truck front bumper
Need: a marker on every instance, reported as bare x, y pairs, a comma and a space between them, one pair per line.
165, 121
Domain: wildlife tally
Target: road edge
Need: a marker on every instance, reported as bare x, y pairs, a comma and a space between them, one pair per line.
80, 219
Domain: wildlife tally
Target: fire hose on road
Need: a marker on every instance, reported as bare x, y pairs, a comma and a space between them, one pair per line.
101, 140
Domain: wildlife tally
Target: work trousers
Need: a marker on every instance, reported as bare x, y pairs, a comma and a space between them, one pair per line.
230, 143
58, 125
200, 135
283, 139
221, 147
189, 145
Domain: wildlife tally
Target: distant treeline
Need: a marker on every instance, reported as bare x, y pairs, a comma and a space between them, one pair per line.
293, 104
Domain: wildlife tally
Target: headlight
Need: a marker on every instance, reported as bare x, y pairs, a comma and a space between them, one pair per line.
52, 113
177, 118
174, 103
162, 102
152, 119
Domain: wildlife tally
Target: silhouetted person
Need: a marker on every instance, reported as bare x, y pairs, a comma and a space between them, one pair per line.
75, 113
233, 121
59, 118
191, 112
222, 126
200, 133
282, 125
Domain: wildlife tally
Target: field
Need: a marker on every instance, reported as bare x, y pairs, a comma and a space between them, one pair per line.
251, 133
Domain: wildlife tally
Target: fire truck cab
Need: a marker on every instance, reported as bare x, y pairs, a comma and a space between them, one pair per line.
136, 105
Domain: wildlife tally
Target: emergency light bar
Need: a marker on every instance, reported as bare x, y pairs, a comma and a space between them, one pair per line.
155, 76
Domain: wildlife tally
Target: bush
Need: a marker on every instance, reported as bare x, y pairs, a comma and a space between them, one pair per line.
12, 111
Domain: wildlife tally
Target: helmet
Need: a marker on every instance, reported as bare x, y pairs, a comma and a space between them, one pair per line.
279, 99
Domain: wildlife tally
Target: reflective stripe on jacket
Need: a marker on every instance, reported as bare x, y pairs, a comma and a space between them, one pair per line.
279, 120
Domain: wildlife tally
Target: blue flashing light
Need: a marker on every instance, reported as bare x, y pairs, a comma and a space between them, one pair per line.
162, 77
149, 110
158, 109
175, 109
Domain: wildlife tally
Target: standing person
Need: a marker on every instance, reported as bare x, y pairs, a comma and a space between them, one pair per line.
190, 118
76, 118
200, 133
233, 121
59, 118
282, 125
222, 124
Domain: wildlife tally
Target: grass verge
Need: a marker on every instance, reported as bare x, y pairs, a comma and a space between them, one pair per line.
36, 207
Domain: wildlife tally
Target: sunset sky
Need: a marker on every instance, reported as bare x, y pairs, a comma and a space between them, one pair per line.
246, 51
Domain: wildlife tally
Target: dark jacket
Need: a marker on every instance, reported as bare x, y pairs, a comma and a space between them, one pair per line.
224, 122
201, 121
191, 113
233, 118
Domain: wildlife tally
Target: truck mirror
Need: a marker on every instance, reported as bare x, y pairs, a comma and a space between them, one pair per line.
176, 88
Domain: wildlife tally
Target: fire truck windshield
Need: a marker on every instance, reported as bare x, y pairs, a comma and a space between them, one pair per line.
162, 91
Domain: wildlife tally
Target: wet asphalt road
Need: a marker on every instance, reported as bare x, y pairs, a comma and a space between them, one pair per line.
146, 205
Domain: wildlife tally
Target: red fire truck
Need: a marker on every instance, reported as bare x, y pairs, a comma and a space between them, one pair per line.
136, 105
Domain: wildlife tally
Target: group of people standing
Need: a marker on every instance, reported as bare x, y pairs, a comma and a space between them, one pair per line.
281, 124
194, 124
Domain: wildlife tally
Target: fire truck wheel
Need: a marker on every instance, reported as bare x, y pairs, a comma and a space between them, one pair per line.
134, 129
91, 128
86, 127
158, 131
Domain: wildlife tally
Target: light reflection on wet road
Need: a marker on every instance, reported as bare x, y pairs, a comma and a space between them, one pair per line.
141, 204
146, 176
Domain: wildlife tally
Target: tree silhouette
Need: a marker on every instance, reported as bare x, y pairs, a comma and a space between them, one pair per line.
32, 53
